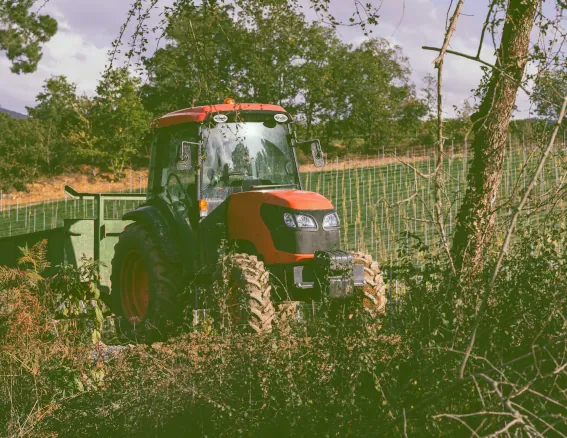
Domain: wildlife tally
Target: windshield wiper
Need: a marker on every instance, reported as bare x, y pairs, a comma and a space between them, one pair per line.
271, 186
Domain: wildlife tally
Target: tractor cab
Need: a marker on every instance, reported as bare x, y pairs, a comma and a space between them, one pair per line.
203, 155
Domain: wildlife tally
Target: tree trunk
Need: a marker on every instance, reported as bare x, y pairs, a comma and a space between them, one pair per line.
476, 218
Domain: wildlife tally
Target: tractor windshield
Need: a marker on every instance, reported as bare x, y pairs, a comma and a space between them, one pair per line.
252, 153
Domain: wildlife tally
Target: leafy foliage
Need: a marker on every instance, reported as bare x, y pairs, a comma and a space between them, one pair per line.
548, 93
75, 293
119, 121
55, 109
38, 366
23, 147
22, 33
65, 130
267, 51
262, 50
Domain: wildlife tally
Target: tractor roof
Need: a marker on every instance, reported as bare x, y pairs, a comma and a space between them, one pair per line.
199, 113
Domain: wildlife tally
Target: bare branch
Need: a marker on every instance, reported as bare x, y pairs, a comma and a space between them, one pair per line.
421, 174
484, 26
505, 429
474, 58
460, 420
452, 26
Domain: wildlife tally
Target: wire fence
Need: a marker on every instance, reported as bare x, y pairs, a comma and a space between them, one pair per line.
382, 201
23, 218
379, 199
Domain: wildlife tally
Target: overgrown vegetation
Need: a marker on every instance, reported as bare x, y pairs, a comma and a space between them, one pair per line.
41, 362
343, 373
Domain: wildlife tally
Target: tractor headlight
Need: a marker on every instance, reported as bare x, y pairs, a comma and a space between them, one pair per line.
331, 221
304, 221
299, 221
289, 221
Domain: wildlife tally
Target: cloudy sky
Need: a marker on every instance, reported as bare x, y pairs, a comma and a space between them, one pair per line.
88, 27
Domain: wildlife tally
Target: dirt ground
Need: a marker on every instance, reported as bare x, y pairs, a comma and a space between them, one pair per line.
53, 188
136, 180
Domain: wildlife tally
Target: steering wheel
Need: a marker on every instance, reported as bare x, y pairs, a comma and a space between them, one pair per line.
183, 198
227, 173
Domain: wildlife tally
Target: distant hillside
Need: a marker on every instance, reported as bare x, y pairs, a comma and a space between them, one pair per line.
13, 114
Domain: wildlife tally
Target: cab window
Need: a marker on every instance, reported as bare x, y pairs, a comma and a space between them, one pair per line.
174, 173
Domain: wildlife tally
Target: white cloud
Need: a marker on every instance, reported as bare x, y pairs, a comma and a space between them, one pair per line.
66, 54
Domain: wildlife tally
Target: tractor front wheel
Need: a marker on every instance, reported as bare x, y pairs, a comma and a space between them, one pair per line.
146, 287
373, 293
245, 294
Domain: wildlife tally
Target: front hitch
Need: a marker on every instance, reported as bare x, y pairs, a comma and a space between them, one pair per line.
334, 272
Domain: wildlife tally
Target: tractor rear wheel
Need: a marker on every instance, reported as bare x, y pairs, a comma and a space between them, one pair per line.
247, 301
146, 287
373, 293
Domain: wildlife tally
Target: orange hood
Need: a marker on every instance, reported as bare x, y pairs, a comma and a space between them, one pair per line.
245, 220
294, 199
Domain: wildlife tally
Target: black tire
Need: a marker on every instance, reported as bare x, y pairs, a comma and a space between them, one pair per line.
373, 293
246, 291
146, 287
286, 315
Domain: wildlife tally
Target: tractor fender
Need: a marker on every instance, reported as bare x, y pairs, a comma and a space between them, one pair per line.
245, 246
176, 239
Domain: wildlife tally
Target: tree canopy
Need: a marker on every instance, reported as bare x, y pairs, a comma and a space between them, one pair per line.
268, 52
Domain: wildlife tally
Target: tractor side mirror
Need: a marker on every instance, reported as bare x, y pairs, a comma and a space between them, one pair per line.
316, 151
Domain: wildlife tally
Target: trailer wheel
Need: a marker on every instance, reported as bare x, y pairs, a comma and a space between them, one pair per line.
246, 300
146, 287
373, 293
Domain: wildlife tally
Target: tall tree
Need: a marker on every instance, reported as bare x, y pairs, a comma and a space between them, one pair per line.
319, 74
382, 101
477, 215
266, 51
201, 61
54, 104
55, 108
23, 32
275, 41
119, 119
22, 145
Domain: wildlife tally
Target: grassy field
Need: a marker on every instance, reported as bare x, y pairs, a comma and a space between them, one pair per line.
369, 199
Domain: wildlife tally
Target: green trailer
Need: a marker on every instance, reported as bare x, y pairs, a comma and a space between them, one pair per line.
93, 237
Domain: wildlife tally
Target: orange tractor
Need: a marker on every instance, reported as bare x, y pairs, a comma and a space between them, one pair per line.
225, 206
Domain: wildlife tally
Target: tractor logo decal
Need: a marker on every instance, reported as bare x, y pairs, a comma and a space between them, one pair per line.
221, 118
